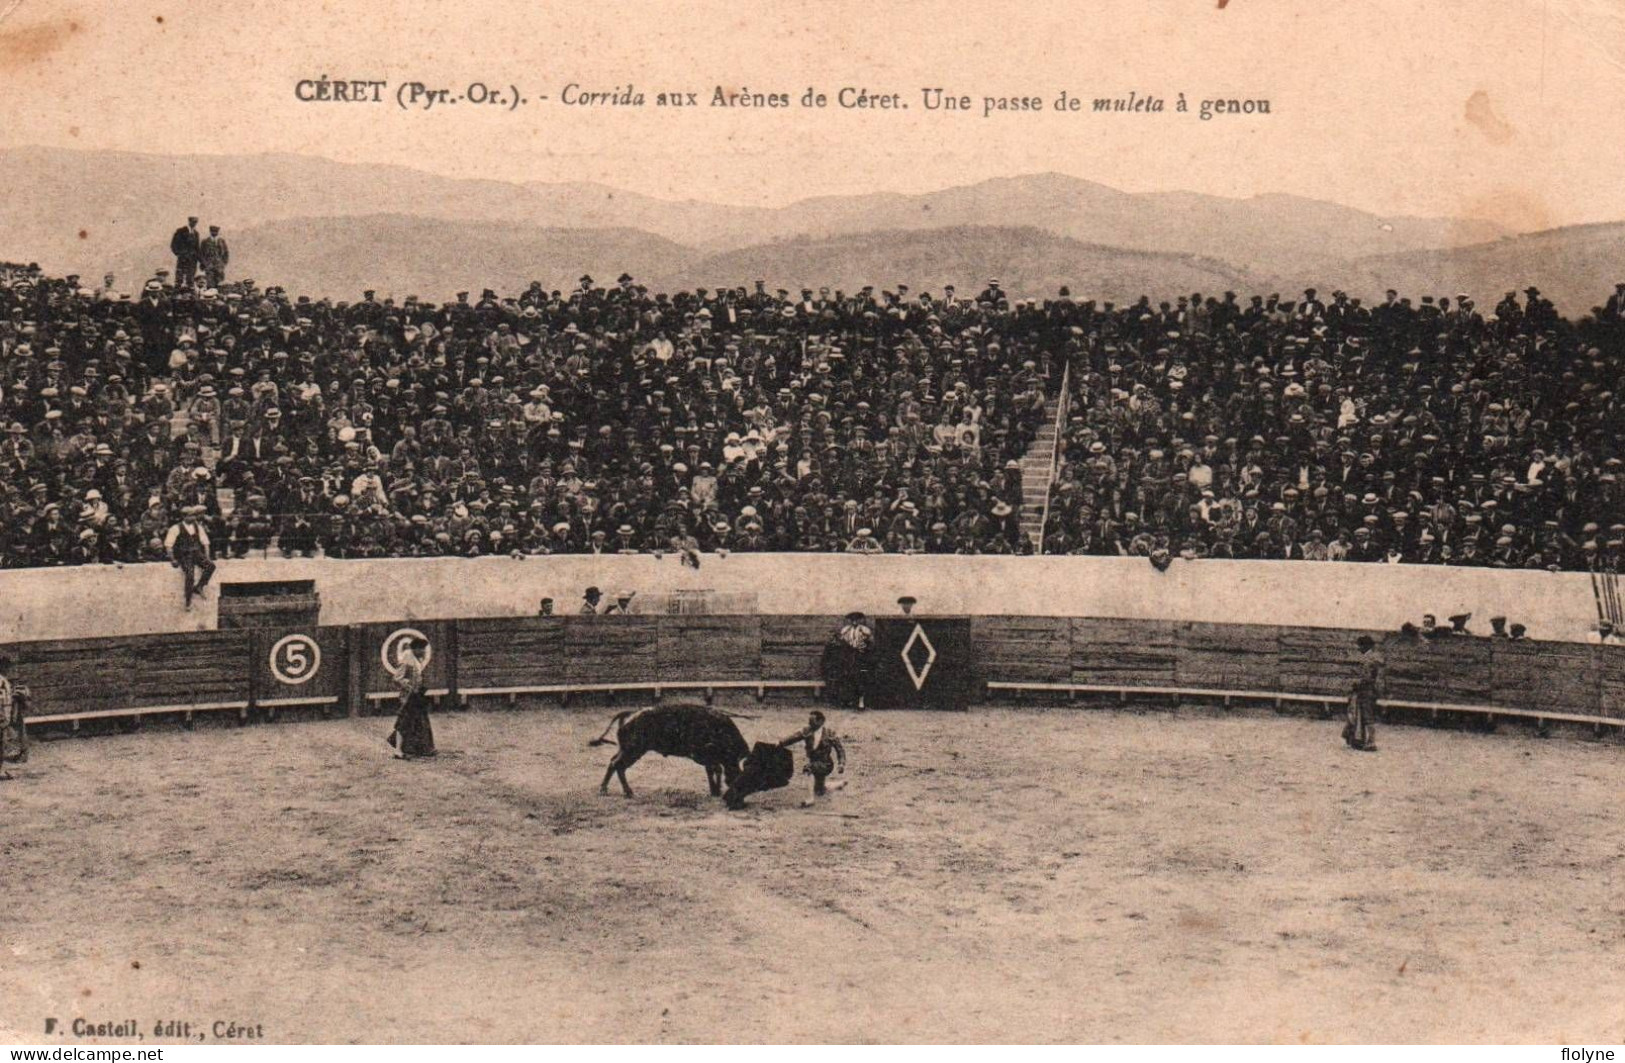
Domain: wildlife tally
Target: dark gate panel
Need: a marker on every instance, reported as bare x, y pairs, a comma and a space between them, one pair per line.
381, 642
300, 664
923, 663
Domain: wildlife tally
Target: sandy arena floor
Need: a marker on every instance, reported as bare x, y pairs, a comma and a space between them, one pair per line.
1004, 875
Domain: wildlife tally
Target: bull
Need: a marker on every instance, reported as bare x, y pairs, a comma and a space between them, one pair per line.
707, 736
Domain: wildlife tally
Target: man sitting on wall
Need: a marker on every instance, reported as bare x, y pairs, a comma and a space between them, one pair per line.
188, 547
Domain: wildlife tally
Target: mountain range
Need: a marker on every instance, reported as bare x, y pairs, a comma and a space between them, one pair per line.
329, 228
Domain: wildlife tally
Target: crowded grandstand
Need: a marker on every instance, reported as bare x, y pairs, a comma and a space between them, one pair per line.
613, 419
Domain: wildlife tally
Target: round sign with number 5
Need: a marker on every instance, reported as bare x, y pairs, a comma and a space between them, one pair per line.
295, 659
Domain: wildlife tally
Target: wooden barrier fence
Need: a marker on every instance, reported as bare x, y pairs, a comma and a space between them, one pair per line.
347, 669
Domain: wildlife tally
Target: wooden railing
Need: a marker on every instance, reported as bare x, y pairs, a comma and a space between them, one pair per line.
342, 669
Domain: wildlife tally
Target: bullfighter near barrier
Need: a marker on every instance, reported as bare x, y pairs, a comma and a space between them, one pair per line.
1021, 465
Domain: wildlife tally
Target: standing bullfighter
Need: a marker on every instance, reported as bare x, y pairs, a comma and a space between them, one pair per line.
412, 728
846, 661
1360, 732
13, 726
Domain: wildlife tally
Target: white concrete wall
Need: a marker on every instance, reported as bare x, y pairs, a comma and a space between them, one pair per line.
137, 599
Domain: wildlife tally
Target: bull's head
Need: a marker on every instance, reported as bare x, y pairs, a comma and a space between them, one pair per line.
766, 768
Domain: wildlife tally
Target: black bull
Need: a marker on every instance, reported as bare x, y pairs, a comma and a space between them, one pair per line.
704, 735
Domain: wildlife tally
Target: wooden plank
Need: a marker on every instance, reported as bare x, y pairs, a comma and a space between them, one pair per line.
1454, 669
1609, 665
71, 675
708, 647
511, 652
793, 646
1228, 656
1314, 660
188, 667
1124, 652
610, 649
1023, 648
1534, 675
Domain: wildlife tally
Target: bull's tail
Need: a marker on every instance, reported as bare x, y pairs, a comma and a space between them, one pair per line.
614, 722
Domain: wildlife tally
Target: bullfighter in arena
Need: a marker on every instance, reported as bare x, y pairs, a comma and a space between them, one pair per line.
846, 660
13, 729
1360, 732
824, 751
413, 733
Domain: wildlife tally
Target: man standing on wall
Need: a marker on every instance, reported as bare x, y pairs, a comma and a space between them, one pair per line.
185, 245
1360, 731
213, 254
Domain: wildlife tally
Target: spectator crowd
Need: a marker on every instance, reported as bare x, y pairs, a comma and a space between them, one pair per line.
614, 419
1425, 433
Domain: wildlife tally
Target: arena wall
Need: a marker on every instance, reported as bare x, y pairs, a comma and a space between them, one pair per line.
342, 668
143, 599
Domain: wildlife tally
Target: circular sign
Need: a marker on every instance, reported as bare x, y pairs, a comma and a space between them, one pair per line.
295, 659
389, 654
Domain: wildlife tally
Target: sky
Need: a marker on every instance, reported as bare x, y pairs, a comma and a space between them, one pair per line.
1512, 111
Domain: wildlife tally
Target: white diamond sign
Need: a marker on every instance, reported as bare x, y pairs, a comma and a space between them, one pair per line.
918, 636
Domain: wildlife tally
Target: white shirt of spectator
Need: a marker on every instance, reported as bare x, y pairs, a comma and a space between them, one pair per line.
175, 533
368, 485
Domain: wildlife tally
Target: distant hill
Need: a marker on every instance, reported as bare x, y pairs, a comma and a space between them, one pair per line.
1026, 261
334, 228
400, 255
433, 259
120, 201
1575, 267
75, 211
1264, 233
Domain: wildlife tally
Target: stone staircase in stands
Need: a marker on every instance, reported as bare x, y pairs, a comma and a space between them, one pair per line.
179, 424
1037, 470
